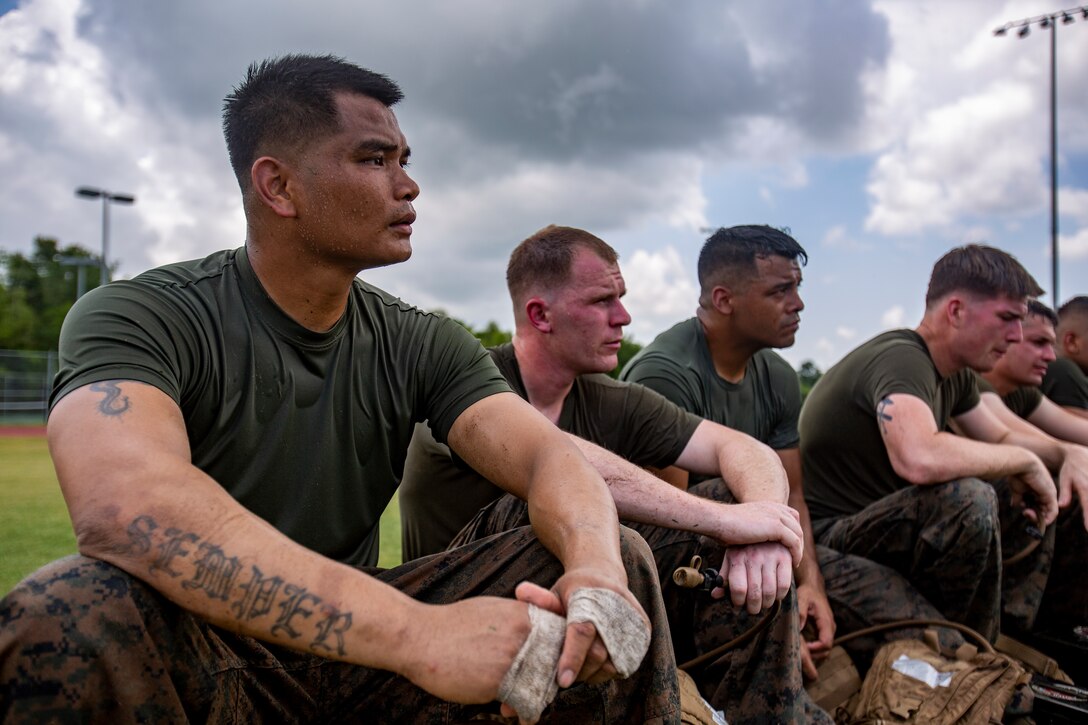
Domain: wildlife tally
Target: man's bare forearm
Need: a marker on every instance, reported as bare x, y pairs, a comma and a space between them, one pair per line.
137, 502
643, 498
751, 469
576, 521
569, 505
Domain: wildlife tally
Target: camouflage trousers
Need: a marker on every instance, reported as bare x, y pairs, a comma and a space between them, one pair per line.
758, 682
1065, 599
946, 540
82, 641
863, 593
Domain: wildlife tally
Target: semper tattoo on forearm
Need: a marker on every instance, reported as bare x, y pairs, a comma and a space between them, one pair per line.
115, 403
252, 595
882, 414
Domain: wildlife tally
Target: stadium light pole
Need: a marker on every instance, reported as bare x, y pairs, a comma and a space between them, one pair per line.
1023, 28
90, 192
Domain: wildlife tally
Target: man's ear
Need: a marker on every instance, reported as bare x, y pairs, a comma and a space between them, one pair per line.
1071, 343
269, 177
722, 299
538, 314
955, 310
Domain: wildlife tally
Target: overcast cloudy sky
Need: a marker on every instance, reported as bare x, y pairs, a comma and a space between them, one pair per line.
881, 133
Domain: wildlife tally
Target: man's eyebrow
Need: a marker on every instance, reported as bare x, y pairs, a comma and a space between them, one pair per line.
375, 145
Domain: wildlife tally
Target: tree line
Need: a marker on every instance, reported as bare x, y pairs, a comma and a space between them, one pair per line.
36, 292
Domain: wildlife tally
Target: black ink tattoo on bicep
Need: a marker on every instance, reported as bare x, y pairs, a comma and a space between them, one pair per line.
882, 414
251, 596
114, 403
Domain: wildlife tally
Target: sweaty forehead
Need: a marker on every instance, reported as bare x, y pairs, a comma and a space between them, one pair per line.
591, 272
774, 266
365, 116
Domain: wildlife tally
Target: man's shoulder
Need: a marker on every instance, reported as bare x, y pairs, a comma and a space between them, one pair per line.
190, 272
681, 335
984, 385
1063, 367
378, 299
772, 363
674, 349
891, 347
386, 309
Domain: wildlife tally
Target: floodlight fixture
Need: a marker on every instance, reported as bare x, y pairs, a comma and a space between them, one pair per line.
107, 197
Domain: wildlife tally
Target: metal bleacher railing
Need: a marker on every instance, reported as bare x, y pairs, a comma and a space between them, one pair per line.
25, 379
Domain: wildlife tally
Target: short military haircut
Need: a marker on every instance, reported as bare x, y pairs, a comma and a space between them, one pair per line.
1038, 309
283, 103
729, 255
983, 271
1075, 308
543, 261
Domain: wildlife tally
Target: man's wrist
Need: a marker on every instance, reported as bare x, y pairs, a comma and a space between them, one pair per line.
809, 574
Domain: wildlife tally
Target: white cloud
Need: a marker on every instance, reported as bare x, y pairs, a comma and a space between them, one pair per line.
838, 238
892, 317
846, 333
1073, 203
661, 291
948, 167
1074, 246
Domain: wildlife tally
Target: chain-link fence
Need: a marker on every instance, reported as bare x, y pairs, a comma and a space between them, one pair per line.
25, 379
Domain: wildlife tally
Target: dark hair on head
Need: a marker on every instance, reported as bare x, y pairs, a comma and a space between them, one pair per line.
284, 102
730, 254
1038, 309
1074, 307
983, 271
543, 260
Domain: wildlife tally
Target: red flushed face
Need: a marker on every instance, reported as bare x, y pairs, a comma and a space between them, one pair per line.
988, 327
353, 194
588, 315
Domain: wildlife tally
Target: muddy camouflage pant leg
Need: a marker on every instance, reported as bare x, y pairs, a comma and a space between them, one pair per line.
759, 682
1022, 581
864, 593
82, 641
1065, 601
943, 538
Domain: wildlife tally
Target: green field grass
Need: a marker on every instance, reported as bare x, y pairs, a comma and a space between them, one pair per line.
34, 524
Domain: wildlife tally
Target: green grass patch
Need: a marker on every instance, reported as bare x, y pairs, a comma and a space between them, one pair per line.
34, 524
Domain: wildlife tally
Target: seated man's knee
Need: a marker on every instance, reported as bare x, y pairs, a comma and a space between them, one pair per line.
639, 562
969, 505
52, 601
716, 489
975, 499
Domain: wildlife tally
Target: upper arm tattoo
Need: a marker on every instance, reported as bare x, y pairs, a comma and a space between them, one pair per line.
882, 414
113, 403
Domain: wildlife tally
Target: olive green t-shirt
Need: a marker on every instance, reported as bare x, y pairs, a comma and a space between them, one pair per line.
1023, 400
842, 451
764, 405
308, 430
438, 495
1066, 384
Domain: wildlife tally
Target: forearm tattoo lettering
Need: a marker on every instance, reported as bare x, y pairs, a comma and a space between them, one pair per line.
252, 596
114, 403
883, 415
